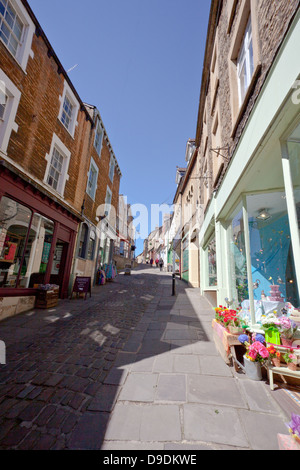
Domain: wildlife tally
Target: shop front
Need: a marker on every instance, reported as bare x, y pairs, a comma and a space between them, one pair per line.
253, 254
37, 237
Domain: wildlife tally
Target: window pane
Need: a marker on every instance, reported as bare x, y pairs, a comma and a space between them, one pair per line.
212, 264
83, 241
37, 252
294, 154
91, 247
239, 281
2, 7
14, 225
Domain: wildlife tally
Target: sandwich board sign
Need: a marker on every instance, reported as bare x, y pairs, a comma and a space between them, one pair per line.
82, 285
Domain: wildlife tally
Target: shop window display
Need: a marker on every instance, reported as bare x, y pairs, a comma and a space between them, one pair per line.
294, 156
25, 241
212, 264
239, 286
272, 260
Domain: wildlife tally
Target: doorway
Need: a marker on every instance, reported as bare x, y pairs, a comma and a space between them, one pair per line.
59, 263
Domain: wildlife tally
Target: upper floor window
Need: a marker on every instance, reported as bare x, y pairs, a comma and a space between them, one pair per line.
11, 26
244, 57
98, 138
69, 109
67, 112
108, 199
56, 174
92, 179
111, 169
16, 30
9, 102
245, 63
55, 169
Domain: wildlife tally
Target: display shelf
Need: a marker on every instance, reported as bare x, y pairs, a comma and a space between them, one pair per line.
281, 371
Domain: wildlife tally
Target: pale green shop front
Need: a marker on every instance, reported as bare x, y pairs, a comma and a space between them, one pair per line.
249, 241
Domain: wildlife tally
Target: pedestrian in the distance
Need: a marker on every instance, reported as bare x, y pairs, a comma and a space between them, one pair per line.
156, 262
151, 262
161, 263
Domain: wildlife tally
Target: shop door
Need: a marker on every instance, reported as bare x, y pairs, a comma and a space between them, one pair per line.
59, 263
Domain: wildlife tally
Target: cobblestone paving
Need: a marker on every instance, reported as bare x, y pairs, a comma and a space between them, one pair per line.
57, 362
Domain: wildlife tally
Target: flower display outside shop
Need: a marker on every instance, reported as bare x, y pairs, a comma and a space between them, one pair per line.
274, 355
291, 359
280, 330
255, 349
230, 319
287, 327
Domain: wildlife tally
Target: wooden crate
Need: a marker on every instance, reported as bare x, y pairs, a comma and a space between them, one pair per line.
47, 298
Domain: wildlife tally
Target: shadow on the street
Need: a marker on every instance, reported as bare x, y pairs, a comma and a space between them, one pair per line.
78, 355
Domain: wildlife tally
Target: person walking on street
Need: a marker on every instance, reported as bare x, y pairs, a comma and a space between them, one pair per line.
151, 262
161, 263
156, 262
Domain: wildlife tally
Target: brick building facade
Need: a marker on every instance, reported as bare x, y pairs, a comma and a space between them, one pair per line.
57, 166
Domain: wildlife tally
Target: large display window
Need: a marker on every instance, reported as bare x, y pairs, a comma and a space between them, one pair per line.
272, 260
212, 263
238, 262
25, 242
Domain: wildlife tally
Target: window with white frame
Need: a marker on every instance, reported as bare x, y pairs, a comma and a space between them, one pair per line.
91, 245
111, 168
98, 138
58, 159
108, 201
16, 30
11, 26
55, 169
3, 102
92, 179
67, 113
69, 109
9, 102
245, 63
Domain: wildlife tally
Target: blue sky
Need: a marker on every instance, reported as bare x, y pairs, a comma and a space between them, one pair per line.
140, 62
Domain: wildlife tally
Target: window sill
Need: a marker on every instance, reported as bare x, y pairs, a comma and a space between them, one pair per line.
243, 107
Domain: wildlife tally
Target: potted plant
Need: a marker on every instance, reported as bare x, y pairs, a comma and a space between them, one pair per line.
256, 354
229, 319
270, 325
291, 359
274, 355
287, 330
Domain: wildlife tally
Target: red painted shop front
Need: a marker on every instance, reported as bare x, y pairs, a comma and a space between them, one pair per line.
37, 237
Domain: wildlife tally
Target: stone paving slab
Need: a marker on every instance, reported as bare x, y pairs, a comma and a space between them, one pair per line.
119, 371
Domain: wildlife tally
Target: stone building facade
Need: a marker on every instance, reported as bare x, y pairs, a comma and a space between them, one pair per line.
248, 152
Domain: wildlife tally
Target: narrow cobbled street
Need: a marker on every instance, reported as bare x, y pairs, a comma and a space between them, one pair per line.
133, 368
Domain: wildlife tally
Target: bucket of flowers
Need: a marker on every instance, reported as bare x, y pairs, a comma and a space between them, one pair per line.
255, 356
274, 355
270, 325
291, 359
287, 329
